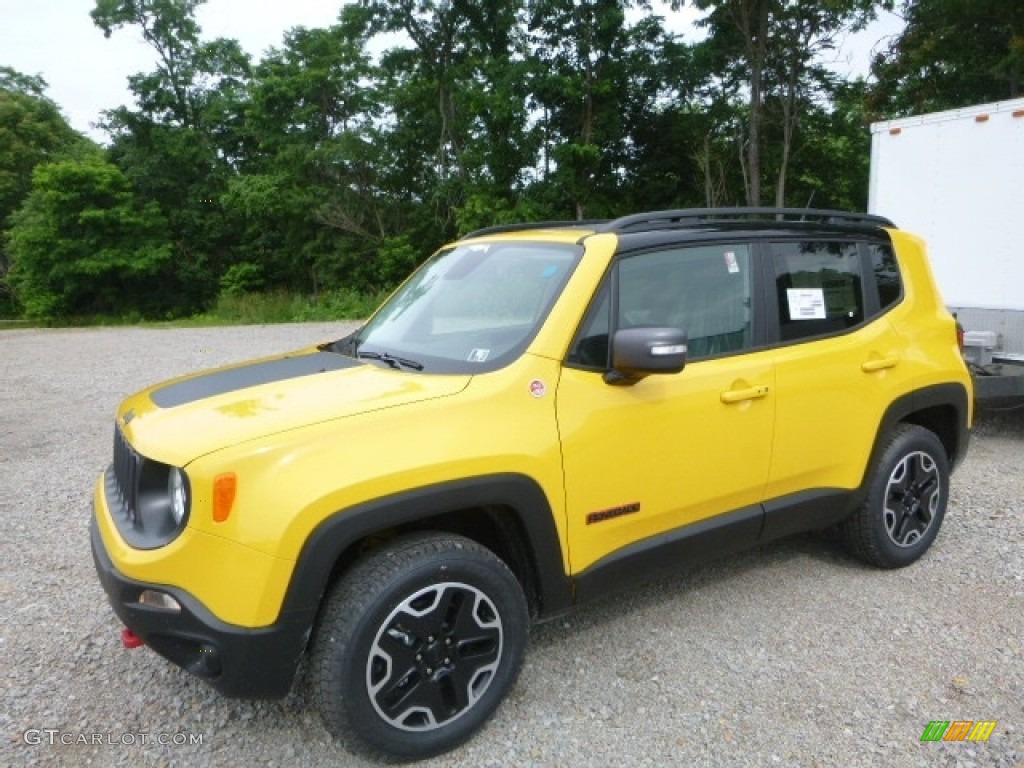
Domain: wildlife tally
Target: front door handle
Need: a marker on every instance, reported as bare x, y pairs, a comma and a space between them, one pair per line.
742, 395
878, 364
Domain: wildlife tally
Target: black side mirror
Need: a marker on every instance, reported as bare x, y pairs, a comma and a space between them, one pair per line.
639, 352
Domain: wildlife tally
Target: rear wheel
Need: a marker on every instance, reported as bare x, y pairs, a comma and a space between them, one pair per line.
906, 500
418, 645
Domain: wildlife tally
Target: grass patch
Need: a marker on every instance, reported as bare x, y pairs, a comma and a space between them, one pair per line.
282, 307
242, 309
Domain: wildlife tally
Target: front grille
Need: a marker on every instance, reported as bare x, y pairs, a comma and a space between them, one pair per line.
137, 497
125, 477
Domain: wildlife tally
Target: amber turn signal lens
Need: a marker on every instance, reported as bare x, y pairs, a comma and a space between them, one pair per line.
224, 487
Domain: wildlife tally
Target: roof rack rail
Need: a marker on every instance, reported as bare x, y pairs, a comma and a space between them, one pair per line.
524, 225
684, 217
693, 217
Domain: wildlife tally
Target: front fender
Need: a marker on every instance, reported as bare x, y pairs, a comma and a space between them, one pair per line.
517, 493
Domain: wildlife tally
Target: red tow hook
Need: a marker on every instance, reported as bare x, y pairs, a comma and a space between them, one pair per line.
130, 640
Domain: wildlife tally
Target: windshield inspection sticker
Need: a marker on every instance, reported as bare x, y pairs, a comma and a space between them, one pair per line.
479, 356
730, 263
806, 303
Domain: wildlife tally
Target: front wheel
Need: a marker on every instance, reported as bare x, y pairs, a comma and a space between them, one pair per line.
418, 645
906, 501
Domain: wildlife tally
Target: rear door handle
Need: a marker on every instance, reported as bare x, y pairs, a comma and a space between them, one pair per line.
879, 364
742, 395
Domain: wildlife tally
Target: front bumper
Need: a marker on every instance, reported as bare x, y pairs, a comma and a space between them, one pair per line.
237, 661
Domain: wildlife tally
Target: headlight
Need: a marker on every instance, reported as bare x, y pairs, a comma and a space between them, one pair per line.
176, 489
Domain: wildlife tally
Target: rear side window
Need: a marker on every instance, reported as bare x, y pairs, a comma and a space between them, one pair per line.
818, 285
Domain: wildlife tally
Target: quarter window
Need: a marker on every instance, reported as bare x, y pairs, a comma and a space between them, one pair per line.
887, 275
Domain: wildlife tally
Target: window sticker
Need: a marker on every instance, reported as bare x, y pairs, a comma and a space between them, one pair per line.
731, 264
550, 271
806, 303
478, 355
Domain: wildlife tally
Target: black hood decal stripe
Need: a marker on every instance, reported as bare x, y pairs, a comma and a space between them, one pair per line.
221, 382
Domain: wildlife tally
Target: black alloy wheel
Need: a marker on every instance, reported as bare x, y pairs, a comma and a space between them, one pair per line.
418, 644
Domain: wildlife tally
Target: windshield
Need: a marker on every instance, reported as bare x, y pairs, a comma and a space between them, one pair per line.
469, 309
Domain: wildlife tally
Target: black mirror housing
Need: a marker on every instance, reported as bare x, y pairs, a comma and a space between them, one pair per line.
639, 352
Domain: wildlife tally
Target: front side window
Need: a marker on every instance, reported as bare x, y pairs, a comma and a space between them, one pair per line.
469, 309
704, 290
818, 285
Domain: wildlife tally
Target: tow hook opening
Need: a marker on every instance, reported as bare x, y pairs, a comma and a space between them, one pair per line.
130, 640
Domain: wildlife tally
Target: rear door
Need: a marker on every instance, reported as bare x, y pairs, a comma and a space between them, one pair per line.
838, 367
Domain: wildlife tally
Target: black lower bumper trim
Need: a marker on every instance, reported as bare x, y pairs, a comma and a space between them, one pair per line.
237, 661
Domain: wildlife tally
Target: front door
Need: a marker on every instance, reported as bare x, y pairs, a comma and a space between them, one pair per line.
673, 450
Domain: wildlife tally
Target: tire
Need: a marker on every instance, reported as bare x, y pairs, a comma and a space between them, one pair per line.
418, 644
906, 502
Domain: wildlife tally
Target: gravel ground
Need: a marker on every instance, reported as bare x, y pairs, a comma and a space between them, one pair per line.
793, 654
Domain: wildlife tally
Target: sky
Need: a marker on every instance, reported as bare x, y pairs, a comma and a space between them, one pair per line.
88, 73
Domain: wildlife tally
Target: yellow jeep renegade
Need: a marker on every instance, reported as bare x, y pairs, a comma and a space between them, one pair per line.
540, 414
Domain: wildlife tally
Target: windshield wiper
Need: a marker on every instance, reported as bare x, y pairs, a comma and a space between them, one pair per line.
394, 362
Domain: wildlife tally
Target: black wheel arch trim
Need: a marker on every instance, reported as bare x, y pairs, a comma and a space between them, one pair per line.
907, 409
518, 493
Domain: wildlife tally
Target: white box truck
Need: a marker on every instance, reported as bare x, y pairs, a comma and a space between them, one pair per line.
957, 179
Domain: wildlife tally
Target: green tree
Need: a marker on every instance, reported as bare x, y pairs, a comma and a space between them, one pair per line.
951, 53
666, 122
83, 244
767, 52
309, 196
32, 132
581, 87
832, 158
170, 29
739, 31
182, 143
456, 97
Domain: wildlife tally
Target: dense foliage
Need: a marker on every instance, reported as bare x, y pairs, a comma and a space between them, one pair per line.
952, 53
84, 244
347, 154
32, 132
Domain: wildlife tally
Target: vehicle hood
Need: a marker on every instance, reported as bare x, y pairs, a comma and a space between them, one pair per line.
180, 420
